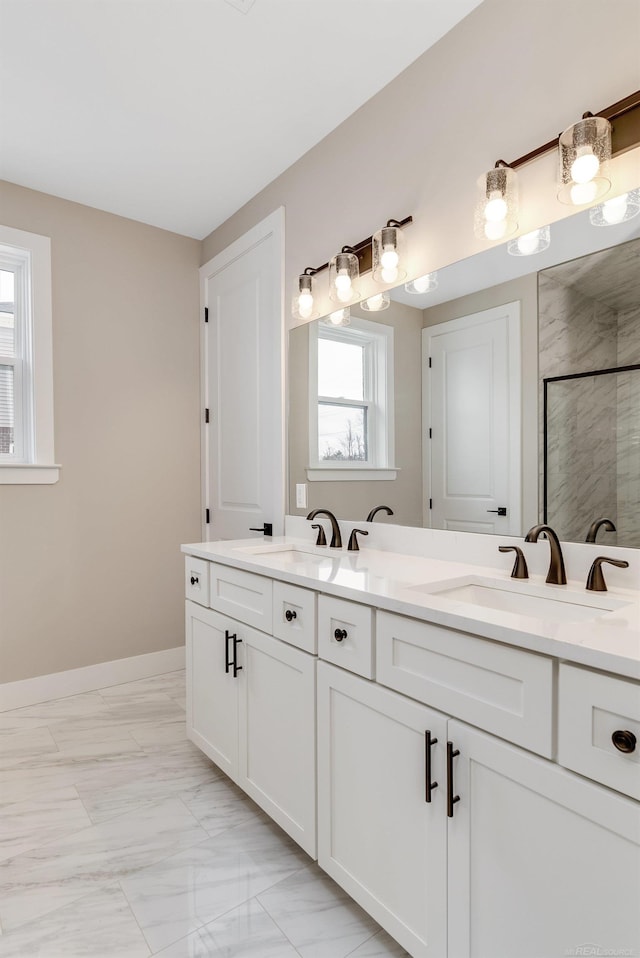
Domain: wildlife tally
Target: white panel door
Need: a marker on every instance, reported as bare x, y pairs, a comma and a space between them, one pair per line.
471, 384
378, 837
243, 375
541, 861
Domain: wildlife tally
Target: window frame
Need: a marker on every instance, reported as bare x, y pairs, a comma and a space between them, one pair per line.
32, 461
377, 340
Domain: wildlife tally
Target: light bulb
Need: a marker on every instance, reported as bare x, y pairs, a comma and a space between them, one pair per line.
339, 318
389, 274
305, 304
343, 286
585, 166
421, 285
614, 211
389, 258
583, 193
496, 209
375, 303
527, 244
495, 231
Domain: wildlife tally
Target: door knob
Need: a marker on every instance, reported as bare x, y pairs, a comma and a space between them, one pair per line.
266, 529
501, 510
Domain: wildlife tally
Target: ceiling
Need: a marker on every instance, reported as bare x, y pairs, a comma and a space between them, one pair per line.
177, 112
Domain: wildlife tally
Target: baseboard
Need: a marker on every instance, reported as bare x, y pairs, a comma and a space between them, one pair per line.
58, 685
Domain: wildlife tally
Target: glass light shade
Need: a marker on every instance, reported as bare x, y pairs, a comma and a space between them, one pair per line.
341, 317
584, 151
388, 256
530, 243
496, 215
617, 210
423, 284
375, 304
303, 305
344, 272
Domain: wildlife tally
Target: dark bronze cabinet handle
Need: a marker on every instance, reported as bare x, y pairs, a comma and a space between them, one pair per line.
290, 615
451, 798
236, 668
429, 785
624, 740
227, 661
340, 634
194, 579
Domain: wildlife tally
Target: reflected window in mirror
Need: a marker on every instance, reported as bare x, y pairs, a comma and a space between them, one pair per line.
351, 396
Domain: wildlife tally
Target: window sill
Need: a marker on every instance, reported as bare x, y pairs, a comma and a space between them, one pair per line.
349, 474
19, 474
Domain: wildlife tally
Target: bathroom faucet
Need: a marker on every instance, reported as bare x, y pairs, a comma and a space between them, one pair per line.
379, 509
594, 528
336, 538
556, 574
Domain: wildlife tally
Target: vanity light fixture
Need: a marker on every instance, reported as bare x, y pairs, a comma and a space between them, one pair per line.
341, 317
530, 243
344, 272
375, 304
303, 304
584, 151
388, 254
617, 210
496, 214
423, 284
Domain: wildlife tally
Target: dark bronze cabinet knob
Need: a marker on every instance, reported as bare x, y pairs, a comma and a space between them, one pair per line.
624, 740
194, 579
340, 634
290, 615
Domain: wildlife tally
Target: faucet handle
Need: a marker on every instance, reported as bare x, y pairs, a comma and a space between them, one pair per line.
322, 539
520, 570
595, 579
353, 539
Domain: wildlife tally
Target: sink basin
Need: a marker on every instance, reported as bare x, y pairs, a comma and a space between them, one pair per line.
284, 553
530, 601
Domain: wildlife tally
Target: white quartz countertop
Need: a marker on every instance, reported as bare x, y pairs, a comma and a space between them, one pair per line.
610, 640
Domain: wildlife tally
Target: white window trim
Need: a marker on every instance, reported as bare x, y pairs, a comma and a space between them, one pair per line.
41, 467
383, 440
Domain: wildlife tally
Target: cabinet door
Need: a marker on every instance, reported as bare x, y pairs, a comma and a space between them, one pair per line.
541, 861
212, 691
277, 757
377, 836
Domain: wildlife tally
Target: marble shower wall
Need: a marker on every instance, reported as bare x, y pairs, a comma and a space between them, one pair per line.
593, 423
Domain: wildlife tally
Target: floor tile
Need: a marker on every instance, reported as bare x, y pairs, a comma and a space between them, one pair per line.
160, 733
381, 945
219, 804
54, 875
101, 925
244, 932
184, 892
317, 916
21, 745
33, 822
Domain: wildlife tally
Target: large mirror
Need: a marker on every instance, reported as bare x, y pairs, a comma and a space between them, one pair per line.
487, 403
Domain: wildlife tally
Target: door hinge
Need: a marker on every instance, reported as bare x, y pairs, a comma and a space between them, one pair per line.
430, 432
431, 503
206, 415
206, 314
206, 516
429, 362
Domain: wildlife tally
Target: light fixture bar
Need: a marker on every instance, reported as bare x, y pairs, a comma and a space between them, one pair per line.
362, 250
625, 134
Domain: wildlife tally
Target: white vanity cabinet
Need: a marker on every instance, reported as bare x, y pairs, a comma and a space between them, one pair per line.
251, 709
534, 860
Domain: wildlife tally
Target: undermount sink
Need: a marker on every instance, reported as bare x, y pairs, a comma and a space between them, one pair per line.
284, 553
529, 601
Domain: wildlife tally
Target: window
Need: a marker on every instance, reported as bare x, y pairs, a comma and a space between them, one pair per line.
26, 382
351, 401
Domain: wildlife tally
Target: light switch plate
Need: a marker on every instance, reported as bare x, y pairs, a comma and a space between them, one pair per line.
301, 495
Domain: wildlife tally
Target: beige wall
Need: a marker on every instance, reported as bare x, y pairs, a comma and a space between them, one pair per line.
502, 82
353, 500
90, 568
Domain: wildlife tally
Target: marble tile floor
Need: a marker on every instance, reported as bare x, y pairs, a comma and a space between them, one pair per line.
119, 839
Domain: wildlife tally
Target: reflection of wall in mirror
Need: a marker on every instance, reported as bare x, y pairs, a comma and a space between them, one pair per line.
589, 314
353, 499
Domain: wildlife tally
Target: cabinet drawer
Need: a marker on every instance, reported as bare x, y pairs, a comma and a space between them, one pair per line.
294, 616
196, 580
494, 687
243, 595
593, 707
353, 651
